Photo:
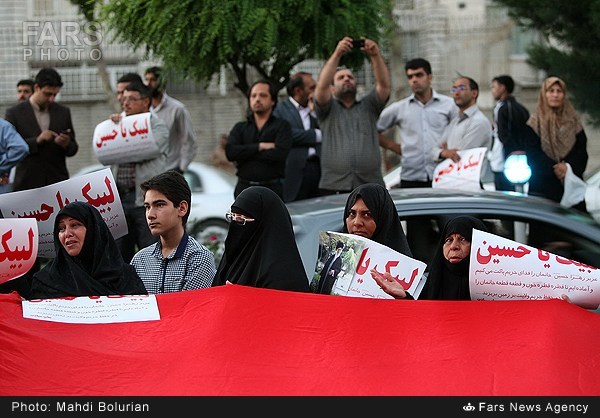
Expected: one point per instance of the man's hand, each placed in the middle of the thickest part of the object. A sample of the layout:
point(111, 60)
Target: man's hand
point(115, 117)
point(4, 179)
point(46, 136)
point(263, 146)
point(63, 139)
point(450, 153)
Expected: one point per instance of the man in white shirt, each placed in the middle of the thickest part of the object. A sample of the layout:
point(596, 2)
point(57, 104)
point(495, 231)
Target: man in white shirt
point(471, 129)
point(182, 139)
point(421, 119)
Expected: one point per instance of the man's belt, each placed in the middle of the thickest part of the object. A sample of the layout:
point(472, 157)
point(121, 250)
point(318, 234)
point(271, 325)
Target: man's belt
point(261, 183)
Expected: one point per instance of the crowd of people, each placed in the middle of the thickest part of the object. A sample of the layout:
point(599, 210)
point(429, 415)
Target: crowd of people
point(322, 139)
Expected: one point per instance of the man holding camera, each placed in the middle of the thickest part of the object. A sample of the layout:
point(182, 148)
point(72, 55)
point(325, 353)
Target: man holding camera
point(350, 153)
point(47, 128)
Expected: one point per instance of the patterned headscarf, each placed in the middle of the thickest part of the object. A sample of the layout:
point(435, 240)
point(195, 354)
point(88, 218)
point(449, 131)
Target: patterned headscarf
point(557, 128)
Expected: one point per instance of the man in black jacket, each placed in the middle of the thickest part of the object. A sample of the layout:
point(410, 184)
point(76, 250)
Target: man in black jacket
point(510, 118)
point(47, 128)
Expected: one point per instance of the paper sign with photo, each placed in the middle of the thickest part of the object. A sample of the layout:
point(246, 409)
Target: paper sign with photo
point(364, 255)
point(42, 204)
point(331, 274)
point(130, 140)
point(502, 269)
point(463, 175)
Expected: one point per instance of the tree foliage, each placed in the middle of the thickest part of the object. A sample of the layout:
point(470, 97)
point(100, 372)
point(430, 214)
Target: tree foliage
point(195, 38)
point(569, 46)
point(88, 9)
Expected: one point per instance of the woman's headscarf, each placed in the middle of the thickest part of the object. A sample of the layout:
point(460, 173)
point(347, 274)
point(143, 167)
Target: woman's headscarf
point(388, 229)
point(262, 253)
point(557, 128)
point(447, 281)
point(99, 268)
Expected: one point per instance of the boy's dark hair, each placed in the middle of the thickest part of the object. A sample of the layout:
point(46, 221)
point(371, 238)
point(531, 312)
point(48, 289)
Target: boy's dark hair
point(26, 82)
point(507, 81)
point(416, 63)
point(48, 77)
point(141, 88)
point(130, 78)
point(173, 185)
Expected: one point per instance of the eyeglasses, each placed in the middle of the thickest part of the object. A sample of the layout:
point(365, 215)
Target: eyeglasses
point(462, 87)
point(239, 219)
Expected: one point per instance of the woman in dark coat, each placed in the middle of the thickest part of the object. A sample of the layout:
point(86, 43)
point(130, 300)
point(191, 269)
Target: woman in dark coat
point(260, 248)
point(87, 262)
point(555, 137)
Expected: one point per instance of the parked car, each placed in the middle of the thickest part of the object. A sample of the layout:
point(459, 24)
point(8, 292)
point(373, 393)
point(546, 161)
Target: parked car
point(212, 196)
point(534, 221)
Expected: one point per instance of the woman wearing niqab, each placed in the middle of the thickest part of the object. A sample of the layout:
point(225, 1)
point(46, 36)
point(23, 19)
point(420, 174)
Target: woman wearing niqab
point(98, 269)
point(263, 252)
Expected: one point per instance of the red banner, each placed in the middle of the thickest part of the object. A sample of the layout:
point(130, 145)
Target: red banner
point(235, 340)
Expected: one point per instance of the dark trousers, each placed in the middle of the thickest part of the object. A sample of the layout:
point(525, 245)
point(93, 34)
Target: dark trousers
point(502, 183)
point(310, 180)
point(420, 232)
point(276, 186)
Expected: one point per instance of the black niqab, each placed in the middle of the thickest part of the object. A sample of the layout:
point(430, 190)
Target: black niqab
point(262, 253)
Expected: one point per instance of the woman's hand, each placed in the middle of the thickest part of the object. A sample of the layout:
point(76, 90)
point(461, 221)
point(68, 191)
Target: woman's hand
point(388, 284)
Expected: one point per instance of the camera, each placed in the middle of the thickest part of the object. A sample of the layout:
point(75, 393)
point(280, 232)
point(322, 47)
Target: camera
point(358, 43)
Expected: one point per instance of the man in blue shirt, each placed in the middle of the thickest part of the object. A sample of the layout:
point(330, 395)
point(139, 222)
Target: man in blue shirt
point(13, 149)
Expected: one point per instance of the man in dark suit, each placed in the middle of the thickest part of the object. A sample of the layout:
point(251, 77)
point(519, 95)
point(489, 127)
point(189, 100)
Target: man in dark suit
point(331, 269)
point(302, 166)
point(47, 128)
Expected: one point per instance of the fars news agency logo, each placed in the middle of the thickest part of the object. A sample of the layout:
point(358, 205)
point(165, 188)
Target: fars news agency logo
point(61, 41)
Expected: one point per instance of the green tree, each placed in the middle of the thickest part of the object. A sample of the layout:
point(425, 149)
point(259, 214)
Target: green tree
point(88, 9)
point(570, 35)
point(196, 38)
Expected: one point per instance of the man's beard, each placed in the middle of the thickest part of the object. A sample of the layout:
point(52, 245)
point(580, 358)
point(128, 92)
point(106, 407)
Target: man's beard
point(347, 92)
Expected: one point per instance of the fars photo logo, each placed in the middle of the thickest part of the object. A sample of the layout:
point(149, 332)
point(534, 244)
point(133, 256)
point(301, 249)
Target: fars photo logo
point(62, 40)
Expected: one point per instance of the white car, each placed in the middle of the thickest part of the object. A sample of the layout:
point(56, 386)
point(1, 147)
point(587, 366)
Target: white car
point(212, 196)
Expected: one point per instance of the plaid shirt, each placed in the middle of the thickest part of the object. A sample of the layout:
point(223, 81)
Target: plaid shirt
point(190, 266)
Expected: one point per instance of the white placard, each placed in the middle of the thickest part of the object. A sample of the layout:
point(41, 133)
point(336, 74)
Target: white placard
point(502, 269)
point(93, 309)
point(130, 140)
point(42, 204)
point(463, 175)
point(19, 247)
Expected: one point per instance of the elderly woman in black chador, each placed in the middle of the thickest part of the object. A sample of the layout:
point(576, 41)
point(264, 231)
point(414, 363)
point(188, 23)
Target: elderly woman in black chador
point(87, 262)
